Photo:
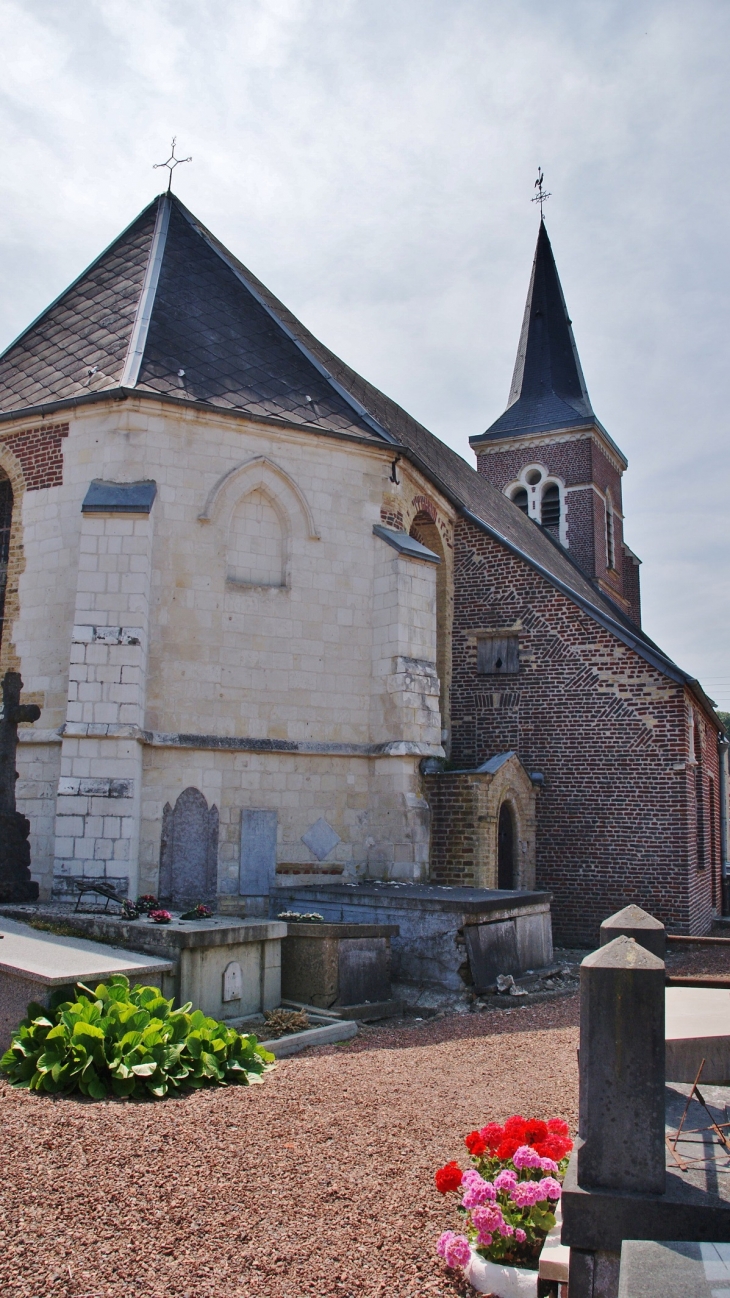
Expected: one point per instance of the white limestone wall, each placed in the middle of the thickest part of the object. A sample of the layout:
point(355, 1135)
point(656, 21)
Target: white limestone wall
point(405, 686)
point(374, 805)
point(338, 655)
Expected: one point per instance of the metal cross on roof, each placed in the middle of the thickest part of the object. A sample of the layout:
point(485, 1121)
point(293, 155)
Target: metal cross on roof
point(171, 164)
point(542, 195)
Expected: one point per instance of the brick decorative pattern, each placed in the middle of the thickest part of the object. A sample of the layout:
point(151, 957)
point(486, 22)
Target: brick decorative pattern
point(39, 452)
point(616, 820)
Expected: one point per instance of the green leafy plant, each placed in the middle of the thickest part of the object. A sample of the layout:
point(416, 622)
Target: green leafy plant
point(128, 1042)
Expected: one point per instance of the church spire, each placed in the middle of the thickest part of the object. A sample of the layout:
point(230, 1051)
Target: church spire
point(548, 389)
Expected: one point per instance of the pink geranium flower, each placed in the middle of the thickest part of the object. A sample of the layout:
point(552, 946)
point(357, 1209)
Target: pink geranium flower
point(527, 1193)
point(454, 1249)
point(549, 1188)
point(488, 1218)
point(526, 1156)
point(477, 1190)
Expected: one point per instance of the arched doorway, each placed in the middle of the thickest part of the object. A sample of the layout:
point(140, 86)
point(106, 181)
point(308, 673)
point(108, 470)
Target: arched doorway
point(424, 529)
point(506, 847)
point(6, 520)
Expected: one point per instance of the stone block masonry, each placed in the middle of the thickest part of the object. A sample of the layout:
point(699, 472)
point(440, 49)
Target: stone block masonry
point(612, 736)
point(99, 792)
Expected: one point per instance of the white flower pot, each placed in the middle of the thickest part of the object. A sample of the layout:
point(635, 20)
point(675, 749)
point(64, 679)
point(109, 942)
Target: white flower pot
point(502, 1281)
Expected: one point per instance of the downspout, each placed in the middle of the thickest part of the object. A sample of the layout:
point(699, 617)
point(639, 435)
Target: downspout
point(722, 744)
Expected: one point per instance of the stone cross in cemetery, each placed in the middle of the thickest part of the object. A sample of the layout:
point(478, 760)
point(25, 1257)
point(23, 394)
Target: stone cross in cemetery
point(15, 881)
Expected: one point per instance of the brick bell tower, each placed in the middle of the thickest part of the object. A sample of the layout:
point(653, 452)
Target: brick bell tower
point(550, 454)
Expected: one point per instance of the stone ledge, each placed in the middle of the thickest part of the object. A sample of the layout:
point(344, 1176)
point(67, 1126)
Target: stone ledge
point(291, 1045)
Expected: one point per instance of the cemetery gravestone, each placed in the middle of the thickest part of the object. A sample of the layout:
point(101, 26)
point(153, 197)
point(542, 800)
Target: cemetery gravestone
point(16, 884)
point(189, 851)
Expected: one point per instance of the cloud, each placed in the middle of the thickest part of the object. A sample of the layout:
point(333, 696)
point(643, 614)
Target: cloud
point(373, 162)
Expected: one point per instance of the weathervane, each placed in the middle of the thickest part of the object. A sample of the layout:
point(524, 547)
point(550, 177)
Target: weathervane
point(541, 196)
point(171, 164)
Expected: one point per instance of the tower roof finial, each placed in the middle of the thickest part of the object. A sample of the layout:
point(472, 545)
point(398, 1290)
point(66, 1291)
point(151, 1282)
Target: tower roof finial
point(542, 195)
point(171, 164)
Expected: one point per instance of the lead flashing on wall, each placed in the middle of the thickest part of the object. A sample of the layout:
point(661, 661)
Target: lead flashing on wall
point(405, 544)
point(119, 497)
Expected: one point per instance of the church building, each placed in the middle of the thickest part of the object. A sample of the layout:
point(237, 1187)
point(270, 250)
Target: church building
point(280, 633)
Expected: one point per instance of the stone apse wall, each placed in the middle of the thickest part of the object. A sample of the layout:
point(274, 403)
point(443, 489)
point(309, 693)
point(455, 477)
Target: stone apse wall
point(617, 818)
point(168, 652)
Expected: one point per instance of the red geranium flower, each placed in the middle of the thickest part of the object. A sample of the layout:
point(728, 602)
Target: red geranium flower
point(558, 1127)
point(507, 1148)
point(535, 1131)
point(492, 1135)
point(515, 1128)
point(554, 1147)
point(448, 1178)
point(476, 1144)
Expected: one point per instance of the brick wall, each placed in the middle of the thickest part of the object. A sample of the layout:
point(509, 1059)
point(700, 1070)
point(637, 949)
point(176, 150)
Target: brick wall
point(455, 841)
point(616, 818)
point(40, 453)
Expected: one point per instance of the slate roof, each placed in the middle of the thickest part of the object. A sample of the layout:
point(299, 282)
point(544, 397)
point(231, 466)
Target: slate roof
point(548, 388)
point(167, 297)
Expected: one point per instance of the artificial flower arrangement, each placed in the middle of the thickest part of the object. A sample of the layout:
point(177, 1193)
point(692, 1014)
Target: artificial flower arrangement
point(509, 1194)
point(201, 911)
point(160, 916)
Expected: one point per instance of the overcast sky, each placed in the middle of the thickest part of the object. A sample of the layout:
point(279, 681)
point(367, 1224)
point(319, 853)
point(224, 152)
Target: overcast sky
point(373, 162)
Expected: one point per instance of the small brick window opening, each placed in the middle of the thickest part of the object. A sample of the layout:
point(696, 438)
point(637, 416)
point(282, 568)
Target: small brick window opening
point(6, 518)
point(498, 655)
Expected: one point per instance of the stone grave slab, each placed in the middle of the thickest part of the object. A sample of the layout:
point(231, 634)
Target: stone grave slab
point(430, 948)
point(674, 1269)
point(200, 952)
point(34, 964)
point(697, 1028)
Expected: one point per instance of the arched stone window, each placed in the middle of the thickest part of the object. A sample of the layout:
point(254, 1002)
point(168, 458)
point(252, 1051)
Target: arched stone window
point(256, 551)
point(519, 498)
point(425, 530)
point(506, 844)
point(6, 518)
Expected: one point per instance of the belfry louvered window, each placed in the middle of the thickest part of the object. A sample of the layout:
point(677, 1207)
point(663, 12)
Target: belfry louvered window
point(520, 499)
point(550, 506)
point(6, 517)
point(610, 535)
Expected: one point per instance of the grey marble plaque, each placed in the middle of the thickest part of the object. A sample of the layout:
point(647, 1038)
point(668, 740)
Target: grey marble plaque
point(257, 872)
point(321, 838)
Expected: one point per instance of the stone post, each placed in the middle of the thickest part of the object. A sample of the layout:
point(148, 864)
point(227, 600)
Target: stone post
point(621, 1123)
point(634, 922)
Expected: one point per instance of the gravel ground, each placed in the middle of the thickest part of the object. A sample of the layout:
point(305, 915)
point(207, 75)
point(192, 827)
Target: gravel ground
point(318, 1182)
point(699, 959)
